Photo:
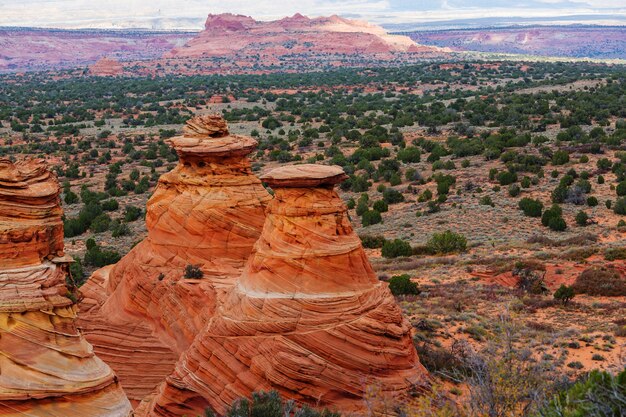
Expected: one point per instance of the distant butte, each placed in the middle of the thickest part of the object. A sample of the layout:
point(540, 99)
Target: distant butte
point(228, 34)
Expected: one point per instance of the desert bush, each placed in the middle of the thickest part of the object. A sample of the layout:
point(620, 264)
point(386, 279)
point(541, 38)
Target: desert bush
point(560, 157)
point(95, 256)
point(530, 207)
point(380, 206)
point(564, 294)
point(514, 190)
point(446, 242)
point(193, 272)
point(506, 177)
point(392, 196)
point(619, 207)
point(372, 241)
point(599, 394)
point(395, 248)
point(582, 218)
point(529, 280)
point(606, 282)
point(613, 254)
point(270, 404)
point(132, 213)
point(402, 285)
point(371, 217)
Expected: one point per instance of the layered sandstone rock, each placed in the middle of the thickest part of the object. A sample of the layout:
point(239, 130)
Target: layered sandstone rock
point(46, 366)
point(228, 35)
point(143, 313)
point(106, 67)
point(308, 317)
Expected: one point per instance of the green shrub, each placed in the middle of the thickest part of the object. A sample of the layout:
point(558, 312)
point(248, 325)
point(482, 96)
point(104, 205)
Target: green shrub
point(557, 224)
point(372, 241)
point(613, 254)
point(582, 218)
point(110, 205)
point(620, 206)
point(446, 242)
point(402, 285)
point(371, 217)
point(553, 212)
point(409, 154)
point(381, 206)
point(506, 177)
point(560, 157)
point(514, 190)
point(592, 201)
point(70, 197)
point(193, 272)
point(530, 207)
point(597, 394)
point(132, 213)
point(395, 248)
point(269, 404)
point(486, 201)
point(392, 196)
point(564, 294)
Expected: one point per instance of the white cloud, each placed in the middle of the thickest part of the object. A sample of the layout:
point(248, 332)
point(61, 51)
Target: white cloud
point(191, 13)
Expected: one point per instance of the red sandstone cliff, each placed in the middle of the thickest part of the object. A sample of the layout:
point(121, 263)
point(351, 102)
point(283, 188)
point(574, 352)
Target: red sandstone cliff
point(46, 366)
point(143, 313)
point(106, 67)
point(229, 35)
point(307, 317)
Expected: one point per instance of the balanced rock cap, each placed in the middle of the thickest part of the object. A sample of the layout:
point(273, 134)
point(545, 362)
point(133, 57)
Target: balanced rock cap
point(304, 176)
point(208, 135)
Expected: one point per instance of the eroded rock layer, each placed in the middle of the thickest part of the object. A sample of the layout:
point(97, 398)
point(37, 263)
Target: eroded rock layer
point(145, 311)
point(308, 316)
point(46, 367)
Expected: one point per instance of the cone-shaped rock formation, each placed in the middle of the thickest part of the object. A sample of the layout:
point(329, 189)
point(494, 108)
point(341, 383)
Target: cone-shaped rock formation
point(47, 369)
point(142, 313)
point(308, 316)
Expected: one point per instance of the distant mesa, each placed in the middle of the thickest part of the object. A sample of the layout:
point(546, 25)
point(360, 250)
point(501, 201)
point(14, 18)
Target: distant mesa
point(106, 67)
point(229, 35)
point(307, 317)
point(47, 367)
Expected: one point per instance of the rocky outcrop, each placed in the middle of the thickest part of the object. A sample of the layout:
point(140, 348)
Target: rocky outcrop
point(145, 311)
point(46, 366)
point(308, 317)
point(106, 67)
point(237, 35)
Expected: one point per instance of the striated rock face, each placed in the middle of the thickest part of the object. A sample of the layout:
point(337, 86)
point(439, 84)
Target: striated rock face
point(143, 313)
point(230, 35)
point(308, 317)
point(106, 67)
point(46, 366)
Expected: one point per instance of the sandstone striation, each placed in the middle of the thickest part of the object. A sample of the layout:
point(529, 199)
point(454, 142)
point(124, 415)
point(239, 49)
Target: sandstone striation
point(308, 317)
point(145, 311)
point(46, 366)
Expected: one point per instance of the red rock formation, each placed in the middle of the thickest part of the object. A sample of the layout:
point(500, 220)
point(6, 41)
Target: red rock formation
point(106, 67)
point(46, 366)
point(229, 35)
point(142, 313)
point(308, 317)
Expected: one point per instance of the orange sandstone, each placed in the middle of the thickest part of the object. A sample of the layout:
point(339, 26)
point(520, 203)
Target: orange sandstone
point(143, 313)
point(46, 366)
point(308, 317)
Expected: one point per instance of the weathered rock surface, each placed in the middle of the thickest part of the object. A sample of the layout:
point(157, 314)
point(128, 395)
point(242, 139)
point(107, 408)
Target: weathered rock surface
point(106, 67)
point(143, 313)
point(308, 317)
point(46, 367)
point(230, 35)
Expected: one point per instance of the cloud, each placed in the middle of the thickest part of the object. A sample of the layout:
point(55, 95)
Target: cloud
point(190, 14)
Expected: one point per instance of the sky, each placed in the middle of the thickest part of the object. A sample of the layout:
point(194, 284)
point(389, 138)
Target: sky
point(190, 14)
